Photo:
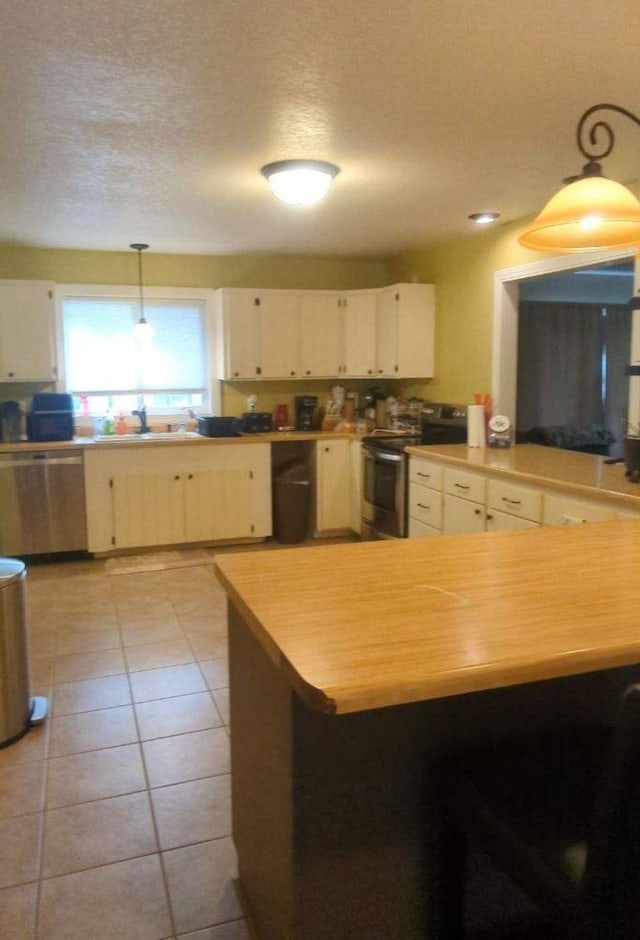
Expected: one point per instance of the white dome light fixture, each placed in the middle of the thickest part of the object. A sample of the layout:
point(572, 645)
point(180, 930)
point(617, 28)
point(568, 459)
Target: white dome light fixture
point(300, 182)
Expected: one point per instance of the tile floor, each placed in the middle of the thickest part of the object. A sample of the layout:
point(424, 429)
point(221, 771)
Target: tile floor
point(115, 813)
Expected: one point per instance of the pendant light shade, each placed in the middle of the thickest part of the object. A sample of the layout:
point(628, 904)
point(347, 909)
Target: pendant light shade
point(300, 182)
point(591, 211)
point(142, 330)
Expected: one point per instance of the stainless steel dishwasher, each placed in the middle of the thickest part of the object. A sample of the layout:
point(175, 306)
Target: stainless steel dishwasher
point(42, 506)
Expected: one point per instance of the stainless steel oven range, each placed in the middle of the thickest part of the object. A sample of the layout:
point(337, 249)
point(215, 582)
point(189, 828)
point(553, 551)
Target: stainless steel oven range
point(385, 467)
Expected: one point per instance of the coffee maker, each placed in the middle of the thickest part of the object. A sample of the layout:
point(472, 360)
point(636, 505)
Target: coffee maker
point(305, 407)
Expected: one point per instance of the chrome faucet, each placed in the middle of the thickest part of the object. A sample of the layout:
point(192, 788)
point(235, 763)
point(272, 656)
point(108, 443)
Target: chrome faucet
point(141, 412)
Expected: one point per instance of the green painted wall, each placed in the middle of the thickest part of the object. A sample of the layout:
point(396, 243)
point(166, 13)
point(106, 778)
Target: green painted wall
point(462, 271)
point(115, 267)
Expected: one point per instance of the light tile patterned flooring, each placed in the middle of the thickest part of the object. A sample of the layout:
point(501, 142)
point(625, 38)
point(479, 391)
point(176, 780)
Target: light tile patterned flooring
point(115, 813)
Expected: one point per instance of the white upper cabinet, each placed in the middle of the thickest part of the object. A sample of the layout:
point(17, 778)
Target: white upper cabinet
point(27, 331)
point(405, 331)
point(321, 334)
point(280, 334)
point(272, 334)
point(238, 334)
point(360, 334)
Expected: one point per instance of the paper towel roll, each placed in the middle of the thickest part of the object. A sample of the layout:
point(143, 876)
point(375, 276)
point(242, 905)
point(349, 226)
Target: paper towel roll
point(476, 433)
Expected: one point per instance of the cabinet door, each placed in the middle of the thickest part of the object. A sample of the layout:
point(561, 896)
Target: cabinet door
point(359, 335)
point(387, 334)
point(217, 504)
point(321, 334)
point(148, 509)
point(462, 516)
point(26, 332)
point(333, 477)
point(406, 331)
point(497, 521)
point(280, 335)
point(425, 505)
point(563, 510)
point(239, 334)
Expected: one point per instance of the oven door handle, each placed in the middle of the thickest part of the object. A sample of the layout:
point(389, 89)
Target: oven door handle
point(381, 456)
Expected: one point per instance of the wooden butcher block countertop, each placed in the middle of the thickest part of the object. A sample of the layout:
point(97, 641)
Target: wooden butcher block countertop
point(374, 624)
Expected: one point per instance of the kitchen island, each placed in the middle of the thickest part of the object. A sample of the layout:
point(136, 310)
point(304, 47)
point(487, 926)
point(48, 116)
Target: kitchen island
point(352, 666)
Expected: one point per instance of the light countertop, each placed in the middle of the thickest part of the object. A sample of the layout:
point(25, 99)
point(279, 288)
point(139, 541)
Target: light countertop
point(568, 471)
point(374, 624)
point(273, 437)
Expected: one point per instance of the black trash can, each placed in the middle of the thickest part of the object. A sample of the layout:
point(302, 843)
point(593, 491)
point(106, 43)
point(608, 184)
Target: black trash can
point(291, 502)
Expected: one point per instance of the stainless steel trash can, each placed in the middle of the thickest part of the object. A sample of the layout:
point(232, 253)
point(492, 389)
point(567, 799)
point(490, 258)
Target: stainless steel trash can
point(18, 711)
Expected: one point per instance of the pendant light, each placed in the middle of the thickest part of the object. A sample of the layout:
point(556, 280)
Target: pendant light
point(300, 182)
point(142, 330)
point(591, 211)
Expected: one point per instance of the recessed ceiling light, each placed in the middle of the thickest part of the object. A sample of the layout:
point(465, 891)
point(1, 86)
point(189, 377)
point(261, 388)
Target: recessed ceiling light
point(484, 218)
point(300, 182)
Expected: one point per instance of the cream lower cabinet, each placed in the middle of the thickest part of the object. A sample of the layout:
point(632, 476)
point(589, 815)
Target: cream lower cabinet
point(425, 502)
point(334, 486)
point(173, 495)
point(512, 506)
point(464, 501)
point(565, 510)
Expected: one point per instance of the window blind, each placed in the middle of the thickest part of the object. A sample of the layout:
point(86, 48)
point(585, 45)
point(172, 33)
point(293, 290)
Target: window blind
point(102, 354)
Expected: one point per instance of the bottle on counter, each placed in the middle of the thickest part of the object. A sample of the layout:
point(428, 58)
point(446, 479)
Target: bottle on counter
point(121, 424)
point(108, 424)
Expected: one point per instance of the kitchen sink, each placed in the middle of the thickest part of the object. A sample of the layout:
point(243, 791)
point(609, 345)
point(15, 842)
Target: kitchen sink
point(149, 436)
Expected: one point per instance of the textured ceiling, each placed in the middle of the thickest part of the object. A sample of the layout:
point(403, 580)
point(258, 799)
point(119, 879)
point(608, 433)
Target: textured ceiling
point(150, 121)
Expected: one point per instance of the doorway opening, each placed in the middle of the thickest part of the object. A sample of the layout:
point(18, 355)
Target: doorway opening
point(562, 337)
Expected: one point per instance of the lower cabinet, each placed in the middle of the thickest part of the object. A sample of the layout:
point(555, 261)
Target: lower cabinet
point(173, 495)
point(565, 510)
point(464, 502)
point(334, 486)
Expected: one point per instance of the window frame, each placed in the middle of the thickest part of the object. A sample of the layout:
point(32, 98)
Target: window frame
point(212, 392)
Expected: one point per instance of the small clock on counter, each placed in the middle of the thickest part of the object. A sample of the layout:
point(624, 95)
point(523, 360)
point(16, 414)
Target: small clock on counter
point(500, 431)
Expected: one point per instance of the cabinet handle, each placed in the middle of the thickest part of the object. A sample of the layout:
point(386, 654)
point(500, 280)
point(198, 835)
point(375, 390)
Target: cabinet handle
point(462, 486)
point(236, 373)
point(489, 516)
point(369, 371)
point(258, 370)
point(190, 476)
point(292, 373)
point(177, 476)
point(427, 476)
point(10, 374)
point(428, 508)
point(510, 502)
point(308, 372)
point(478, 511)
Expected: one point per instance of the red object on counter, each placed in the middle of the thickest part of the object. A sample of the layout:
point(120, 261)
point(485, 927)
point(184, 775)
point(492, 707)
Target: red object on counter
point(281, 417)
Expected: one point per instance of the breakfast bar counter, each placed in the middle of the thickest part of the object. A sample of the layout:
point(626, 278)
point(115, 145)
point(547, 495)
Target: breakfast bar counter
point(352, 666)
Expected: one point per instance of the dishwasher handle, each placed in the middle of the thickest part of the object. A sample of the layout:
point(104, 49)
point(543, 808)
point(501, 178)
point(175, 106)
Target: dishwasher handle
point(40, 460)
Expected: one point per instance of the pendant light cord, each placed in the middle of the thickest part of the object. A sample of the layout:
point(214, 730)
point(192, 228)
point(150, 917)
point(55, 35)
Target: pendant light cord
point(140, 248)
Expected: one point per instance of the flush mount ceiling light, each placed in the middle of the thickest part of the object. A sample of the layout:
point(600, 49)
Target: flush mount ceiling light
point(484, 218)
point(300, 182)
point(142, 330)
point(591, 211)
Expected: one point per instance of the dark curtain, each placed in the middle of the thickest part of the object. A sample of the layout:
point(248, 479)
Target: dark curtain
point(617, 383)
point(562, 348)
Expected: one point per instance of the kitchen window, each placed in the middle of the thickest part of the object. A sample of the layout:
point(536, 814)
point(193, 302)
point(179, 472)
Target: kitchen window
point(107, 368)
